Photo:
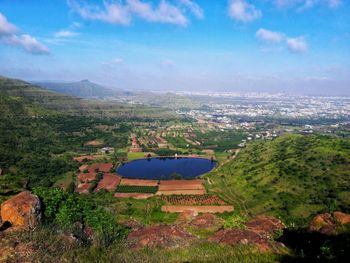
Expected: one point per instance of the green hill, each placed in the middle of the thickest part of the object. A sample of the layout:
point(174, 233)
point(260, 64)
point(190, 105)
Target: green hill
point(82, 89)
point(293, 177)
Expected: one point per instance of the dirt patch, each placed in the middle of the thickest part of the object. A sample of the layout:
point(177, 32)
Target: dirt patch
point(83, 167)
point(100, 167)
point(108, 182)
point(182, 192)
point(159, 236)
point(88, 177)
point(328, 224)
point(133, 195)
point(84, 158)
point(198, 209)
point(181, 182)
point(205, 221)
point(138, 182)
point(181, 187)
point(83, 188)
point(93, 143)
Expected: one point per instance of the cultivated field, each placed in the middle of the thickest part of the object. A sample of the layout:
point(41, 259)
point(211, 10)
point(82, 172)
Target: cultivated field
point(198, 209)
point(140, 182)
point(109, 182)
point(193, 200)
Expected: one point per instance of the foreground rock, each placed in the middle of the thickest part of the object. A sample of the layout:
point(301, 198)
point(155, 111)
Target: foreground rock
point(246, 237)
point(267, 225)
point(159, 236)
point(22, 210)
point(329, 224)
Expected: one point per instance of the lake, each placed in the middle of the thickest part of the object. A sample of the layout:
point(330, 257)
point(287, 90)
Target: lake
point(166, 167)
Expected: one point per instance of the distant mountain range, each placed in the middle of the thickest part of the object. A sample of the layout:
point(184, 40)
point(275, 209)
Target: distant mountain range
point(82, 89)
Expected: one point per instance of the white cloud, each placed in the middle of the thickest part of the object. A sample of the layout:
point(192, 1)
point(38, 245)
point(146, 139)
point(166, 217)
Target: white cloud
point(28, 43)
point(123, 11)
point(307, 4)
point(242, 11)
point(113, 13)
point(193, 7)
point(297, 45)
point(269, 36)
point(6, 27)
point(66, 34)
point(164, 13)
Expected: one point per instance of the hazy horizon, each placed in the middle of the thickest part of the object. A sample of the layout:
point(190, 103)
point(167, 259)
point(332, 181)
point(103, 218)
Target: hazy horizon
point(290, 46)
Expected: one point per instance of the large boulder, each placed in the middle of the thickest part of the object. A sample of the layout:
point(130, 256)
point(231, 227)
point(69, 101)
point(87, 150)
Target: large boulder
point(159, 236)
point(23, 210)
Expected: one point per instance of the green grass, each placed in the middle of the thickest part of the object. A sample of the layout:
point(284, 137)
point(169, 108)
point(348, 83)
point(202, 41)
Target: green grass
point(136, 189)
point(292, 177)
point(135, 156)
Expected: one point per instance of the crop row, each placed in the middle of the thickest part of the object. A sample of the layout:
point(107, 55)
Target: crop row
point(205, 199)
point(136, 189)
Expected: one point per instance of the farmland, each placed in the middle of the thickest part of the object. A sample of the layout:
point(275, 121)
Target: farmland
point(193, 200)
point(136, 189)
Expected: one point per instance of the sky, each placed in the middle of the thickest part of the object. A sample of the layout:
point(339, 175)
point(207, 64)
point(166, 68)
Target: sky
point(292, 46)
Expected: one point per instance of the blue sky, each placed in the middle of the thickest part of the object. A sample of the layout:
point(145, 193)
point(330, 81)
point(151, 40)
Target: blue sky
point(297, 46)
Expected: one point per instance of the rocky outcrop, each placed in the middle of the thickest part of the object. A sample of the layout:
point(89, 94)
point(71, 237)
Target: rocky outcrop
point(23, 210)
point(245, 237)
point(267, 225)
point(159, 236)
point(329, 224)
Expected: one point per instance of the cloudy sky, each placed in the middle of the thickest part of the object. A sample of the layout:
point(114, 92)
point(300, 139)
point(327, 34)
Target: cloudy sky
point(296, 46)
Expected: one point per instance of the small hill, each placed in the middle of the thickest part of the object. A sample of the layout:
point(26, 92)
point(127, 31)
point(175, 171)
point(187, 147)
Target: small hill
point(82, 89)
point(293, 177)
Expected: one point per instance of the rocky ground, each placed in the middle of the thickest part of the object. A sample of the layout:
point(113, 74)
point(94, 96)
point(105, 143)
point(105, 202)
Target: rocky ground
point(23, 213)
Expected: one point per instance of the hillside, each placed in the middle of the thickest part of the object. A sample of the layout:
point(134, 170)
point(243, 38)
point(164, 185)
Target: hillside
point(293, 177)
point(76, 106)
point(82, 89)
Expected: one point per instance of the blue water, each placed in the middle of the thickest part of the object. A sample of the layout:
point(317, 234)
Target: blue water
point(165, 167)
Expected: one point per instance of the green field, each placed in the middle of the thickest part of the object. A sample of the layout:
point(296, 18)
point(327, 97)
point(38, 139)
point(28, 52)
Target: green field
point(136, 189)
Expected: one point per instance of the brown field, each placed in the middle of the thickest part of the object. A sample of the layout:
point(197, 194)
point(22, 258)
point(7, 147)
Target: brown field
point(198, 209)
point(170, 187)
point(84, 178)
point(83, 158)
point(83, 188)
point(83, 167)
point(193, 200)
point(182, 192)
point(101, 167)
point(181, 182)
point(108, 182)
point(133, 195)
point(93, 143)
point(138, 182)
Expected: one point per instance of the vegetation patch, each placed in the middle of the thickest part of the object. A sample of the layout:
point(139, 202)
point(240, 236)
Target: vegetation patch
point(136, 189)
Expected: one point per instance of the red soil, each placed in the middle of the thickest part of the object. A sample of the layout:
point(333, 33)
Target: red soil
point(193, 200)
point(133, 195)
point(182, 192)
point(83, 158)
point(83, 188)
point(139, 182)
point(93, 143)
point(83, 167)
point(198, 209)
point(180, 187)
point(108, 182)
point(101, 167)
point(181, 182)
point(88, 177)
